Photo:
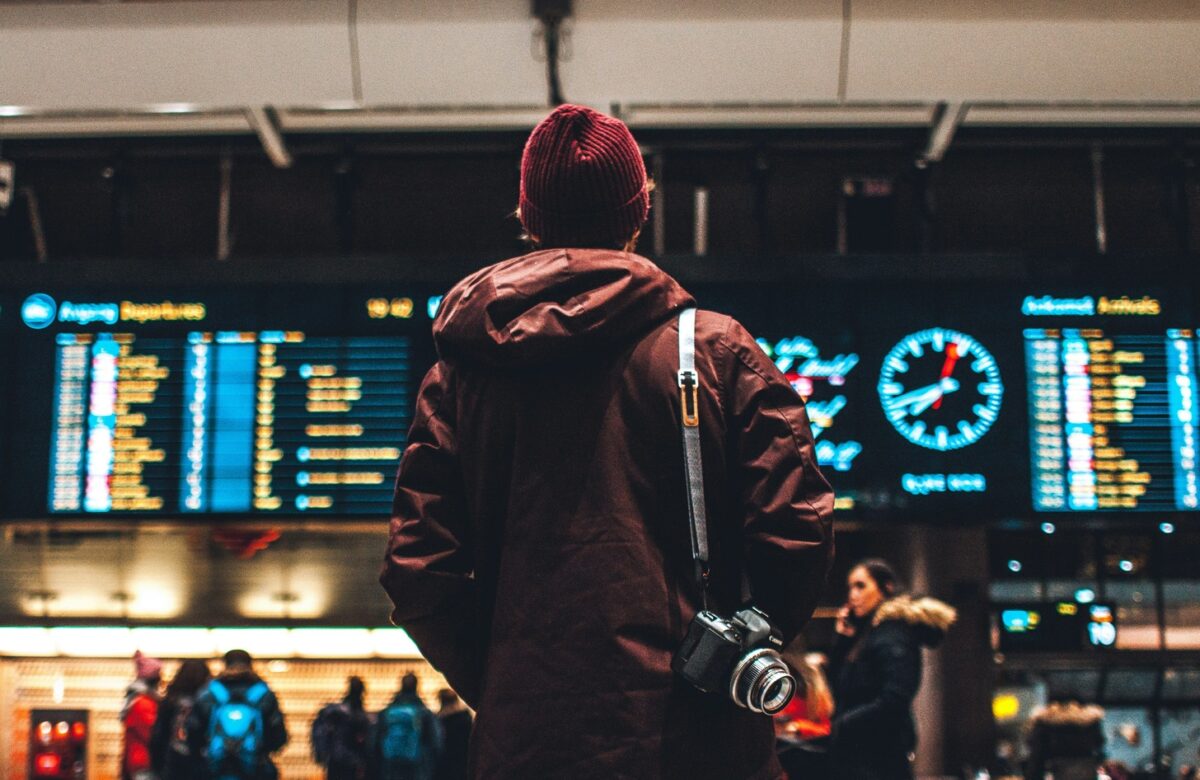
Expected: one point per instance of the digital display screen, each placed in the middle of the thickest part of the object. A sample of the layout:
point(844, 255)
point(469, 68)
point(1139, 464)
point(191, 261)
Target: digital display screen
point(173, 409)
point(1064, 626)
point(1111, 419)
point(267, 421)
point(951, 404)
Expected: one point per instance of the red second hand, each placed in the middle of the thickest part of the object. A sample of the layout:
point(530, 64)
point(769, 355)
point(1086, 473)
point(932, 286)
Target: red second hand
point(947, 368)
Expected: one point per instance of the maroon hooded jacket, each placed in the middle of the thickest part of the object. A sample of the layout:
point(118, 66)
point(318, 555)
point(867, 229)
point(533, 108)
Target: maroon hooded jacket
point(540, 551)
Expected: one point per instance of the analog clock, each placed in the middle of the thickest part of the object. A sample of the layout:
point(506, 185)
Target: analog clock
point(940, 389)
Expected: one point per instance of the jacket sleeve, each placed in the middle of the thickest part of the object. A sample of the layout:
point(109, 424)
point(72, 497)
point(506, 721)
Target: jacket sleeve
point(896, 659)
point(428, 571)
point(786, 503)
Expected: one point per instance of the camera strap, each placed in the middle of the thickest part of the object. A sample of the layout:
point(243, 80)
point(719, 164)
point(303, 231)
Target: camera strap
point(693, 465)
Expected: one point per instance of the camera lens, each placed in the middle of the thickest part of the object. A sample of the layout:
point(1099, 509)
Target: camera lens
point(761, 682)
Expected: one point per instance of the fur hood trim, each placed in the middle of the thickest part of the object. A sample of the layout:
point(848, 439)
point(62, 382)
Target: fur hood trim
point(1069, 714)
point(924, 611)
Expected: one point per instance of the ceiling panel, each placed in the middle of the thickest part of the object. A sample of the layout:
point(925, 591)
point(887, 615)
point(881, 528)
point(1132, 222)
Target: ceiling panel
point(124, 55)
point(1024, 51)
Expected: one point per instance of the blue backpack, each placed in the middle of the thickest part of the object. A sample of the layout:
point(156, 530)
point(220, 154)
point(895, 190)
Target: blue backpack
point(235, 731)
point(401, 727)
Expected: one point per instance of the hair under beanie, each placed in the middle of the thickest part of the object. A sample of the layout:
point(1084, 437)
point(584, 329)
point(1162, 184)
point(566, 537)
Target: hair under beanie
point(583, 182)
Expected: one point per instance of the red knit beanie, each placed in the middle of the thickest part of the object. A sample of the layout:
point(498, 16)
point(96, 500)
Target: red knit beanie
point(583, 182)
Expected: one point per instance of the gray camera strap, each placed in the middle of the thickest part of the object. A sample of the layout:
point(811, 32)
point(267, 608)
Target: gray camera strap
point(693, 465)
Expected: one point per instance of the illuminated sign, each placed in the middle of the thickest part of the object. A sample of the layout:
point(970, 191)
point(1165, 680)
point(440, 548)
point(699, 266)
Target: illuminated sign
point(925, 484)
point(1088, 306)
point(1064, 626)
point(813, 377)
point(1046, 306)
point(40, 311)
point(397, 308)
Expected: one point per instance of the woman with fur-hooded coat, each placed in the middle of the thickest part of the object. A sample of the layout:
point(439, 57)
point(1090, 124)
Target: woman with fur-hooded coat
point(876, 672)
point(1066, 740)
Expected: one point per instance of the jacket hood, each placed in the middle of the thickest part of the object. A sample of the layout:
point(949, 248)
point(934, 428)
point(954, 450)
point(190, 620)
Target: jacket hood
point(931, 617)
point(552, 303)
point(1069, 714)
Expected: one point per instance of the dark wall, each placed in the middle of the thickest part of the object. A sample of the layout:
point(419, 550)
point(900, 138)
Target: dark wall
point(770, 194)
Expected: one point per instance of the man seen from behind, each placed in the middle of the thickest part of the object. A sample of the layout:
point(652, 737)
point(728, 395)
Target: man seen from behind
point(541, 554)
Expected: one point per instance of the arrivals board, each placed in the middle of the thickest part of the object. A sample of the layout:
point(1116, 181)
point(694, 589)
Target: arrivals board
point(948, 402)
point(1111, 420)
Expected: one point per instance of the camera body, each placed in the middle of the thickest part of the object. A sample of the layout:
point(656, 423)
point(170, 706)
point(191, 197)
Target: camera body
point(738, 656)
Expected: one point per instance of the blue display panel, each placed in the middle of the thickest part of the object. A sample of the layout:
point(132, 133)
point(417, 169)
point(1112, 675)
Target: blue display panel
point(1110, 420)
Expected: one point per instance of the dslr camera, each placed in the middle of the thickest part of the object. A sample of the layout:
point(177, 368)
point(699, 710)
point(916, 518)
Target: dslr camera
point(738, 656)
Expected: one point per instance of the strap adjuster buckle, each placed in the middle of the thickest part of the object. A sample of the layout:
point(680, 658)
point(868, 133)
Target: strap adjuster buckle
point(689, 399)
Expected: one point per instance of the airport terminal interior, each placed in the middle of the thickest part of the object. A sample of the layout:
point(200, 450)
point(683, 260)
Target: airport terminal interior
point(226, 229)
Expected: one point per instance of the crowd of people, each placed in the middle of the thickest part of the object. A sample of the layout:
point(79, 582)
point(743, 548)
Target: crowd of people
point(227, 728)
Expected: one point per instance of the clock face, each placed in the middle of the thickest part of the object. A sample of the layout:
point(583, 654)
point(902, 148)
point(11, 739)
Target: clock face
point(940, 389)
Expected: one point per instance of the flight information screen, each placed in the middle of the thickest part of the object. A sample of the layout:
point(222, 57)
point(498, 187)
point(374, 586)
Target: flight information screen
point(152, 412)
point(943, 403)
point(1112, 419)
point(236, 421)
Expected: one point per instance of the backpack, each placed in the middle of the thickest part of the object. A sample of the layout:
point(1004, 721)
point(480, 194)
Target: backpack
point(338, 737)
point(401, 727)
point(235, 731)
point(183, 710)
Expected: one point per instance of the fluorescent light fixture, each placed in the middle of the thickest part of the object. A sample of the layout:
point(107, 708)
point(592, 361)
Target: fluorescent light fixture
point(332, 642)
point(93, 642)
point(267, 642)
point(176, 642)
point(201, 642)
point(27, 641)
point(14, 111)
point(173, 108)
point(393, 643)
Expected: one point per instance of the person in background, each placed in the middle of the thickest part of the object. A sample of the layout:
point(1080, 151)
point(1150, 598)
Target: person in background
point(876, 669)
point(408, 737)
point(540, 551)
point(456, 721)
point(340, 735)
point(170, 754)
point(802, 729)
point(138, 716)
point(1066, 740)
point(236, 723)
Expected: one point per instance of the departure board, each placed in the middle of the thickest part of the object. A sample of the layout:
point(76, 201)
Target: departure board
point(288, 402)
point(1111, 419)
point(269, 421)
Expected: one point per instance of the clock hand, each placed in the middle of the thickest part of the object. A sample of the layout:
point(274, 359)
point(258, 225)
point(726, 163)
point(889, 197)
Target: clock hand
point(947, 385)
point(928, 393)
point(948, 367)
